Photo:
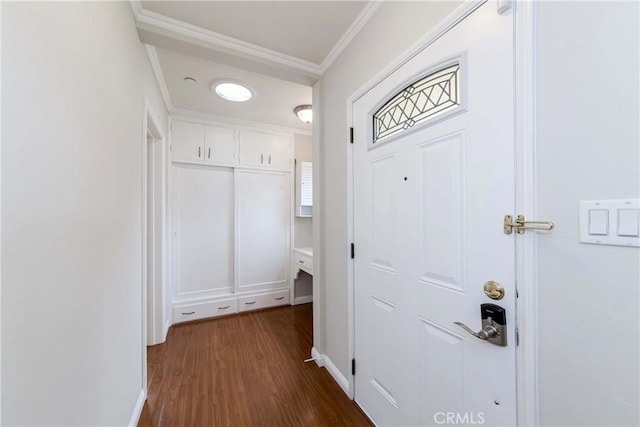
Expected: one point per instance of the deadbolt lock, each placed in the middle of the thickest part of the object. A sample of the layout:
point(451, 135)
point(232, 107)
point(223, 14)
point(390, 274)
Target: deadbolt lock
point(493, 290)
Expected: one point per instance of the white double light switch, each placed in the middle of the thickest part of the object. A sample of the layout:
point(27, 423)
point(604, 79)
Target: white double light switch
point(610, 222)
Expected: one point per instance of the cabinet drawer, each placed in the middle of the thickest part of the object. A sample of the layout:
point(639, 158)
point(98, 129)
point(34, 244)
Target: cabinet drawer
point(187, 312)
point(303, 262)
point(255, 302)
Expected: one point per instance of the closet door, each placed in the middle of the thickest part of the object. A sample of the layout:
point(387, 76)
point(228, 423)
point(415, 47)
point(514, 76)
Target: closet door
point(264, 206)
point(203, 231)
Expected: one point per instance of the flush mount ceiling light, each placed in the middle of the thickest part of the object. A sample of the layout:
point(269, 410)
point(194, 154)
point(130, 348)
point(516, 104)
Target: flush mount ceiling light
point(231, 91)
point(304, 113)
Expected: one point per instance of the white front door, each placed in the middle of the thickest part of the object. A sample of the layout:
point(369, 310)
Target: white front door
point(433, 179)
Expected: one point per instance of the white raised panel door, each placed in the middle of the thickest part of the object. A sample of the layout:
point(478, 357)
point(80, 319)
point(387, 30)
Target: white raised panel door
point(428, 210)
point(203, 230)
point(187, 142)
point(219, 145)
point(263, 204)
point(265, 149)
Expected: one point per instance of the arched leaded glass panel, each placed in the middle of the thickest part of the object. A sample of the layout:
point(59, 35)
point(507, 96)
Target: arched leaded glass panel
point(429, 96)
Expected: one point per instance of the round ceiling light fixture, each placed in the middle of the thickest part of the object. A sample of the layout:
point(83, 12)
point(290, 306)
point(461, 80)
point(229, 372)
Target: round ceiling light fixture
point(232, 91)
point(304, 113)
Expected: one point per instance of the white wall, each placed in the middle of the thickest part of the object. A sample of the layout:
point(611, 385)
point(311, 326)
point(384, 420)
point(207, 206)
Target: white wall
point(587, 149)
point(393, 29)
point(74, 78)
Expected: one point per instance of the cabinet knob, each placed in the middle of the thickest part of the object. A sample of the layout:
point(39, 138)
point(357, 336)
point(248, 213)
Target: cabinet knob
point(250, 302)
point(209, 153)
point(224, 308)
point(279, 298)
point(189, 313)
point(199, 151)
point(269, 158)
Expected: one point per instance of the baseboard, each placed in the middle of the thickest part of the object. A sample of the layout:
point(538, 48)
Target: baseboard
point(167, 325)
point(323, 360)
point(305, 299)
point(137, 410)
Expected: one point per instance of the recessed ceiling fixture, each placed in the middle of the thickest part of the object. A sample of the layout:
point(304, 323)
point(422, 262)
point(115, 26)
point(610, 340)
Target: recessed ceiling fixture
point(231, 91)
point(304, 113)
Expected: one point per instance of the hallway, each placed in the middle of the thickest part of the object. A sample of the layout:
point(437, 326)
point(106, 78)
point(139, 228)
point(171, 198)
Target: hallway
point(244, 370)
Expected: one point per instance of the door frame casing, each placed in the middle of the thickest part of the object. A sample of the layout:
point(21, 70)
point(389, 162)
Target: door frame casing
point(151, 125)
point(525, 203)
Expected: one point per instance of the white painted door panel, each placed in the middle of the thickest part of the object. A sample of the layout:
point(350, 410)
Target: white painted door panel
point(187, 141)
point(428, 209)
point(265, 149)
point(220, 145)
point(263, 204)
point(203, 230)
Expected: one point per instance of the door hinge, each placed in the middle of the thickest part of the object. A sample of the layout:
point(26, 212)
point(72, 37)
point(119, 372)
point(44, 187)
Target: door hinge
point(517, 337)
point(351, 135)
point(353, 251)
point(353, 366)
point(521, 225)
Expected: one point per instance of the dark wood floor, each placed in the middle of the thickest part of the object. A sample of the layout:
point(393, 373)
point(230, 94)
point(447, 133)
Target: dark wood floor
point(244, 370)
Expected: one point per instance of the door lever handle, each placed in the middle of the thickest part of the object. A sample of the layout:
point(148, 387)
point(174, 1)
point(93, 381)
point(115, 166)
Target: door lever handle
point(484, 334)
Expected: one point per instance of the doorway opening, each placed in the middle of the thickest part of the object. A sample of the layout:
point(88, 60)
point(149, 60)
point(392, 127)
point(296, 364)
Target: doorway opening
point(155, 319)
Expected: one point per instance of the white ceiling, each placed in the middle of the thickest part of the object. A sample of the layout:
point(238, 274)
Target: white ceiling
point(278, 48)
point(273, 101)
point(303, 29)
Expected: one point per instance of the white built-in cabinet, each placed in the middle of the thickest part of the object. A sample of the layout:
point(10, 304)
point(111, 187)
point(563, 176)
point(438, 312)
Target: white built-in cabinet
point(199, 143)
point(264, 150)
point(231, 215)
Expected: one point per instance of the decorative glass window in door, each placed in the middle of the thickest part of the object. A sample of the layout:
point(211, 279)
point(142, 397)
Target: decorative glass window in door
point(430, 96)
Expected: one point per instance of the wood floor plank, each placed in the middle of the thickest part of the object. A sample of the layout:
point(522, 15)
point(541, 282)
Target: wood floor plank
point(244, 370)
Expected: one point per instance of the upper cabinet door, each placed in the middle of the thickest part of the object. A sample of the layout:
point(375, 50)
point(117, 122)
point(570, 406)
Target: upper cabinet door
point(264, 149)
point(219, 145)
point(187, 142)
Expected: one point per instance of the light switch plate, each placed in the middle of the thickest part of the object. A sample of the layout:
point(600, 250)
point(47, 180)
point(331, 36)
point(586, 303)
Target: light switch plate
point(610, 222)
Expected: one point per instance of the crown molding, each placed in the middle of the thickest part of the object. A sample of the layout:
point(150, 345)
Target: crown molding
point(356, 26)
point(174, 28)
point(157, 71)
point(136, 8)
point(157, 23)
point(181, 113)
